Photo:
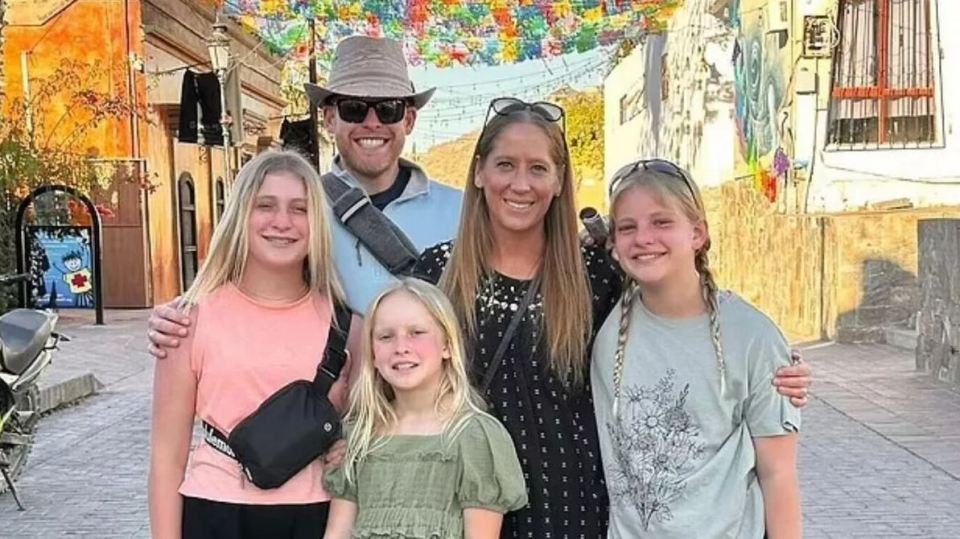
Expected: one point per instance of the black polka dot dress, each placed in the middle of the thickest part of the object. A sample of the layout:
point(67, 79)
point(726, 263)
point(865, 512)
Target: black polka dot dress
point(553, 427)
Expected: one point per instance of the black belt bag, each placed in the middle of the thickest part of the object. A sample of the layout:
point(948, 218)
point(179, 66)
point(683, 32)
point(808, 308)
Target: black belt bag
point(295, 425)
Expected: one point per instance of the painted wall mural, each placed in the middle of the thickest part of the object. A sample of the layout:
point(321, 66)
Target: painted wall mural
point(60, 263)
point(761, 65)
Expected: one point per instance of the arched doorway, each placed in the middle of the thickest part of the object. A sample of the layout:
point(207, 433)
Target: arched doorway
point(187, 210)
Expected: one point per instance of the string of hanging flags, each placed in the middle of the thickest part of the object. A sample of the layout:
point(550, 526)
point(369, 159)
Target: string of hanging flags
point(454, 32)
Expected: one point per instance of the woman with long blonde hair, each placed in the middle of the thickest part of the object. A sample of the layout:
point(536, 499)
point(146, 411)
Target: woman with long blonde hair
point(531, 299)
point(261, 307)
point(423, 459)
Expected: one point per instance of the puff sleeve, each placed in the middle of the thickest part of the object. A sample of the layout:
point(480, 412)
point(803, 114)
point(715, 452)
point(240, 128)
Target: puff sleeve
point(490, 477)
point(335, 480)
point(336, 484)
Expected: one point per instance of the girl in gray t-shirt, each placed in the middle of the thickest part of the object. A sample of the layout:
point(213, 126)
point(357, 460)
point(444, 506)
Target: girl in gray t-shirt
point(695, 439)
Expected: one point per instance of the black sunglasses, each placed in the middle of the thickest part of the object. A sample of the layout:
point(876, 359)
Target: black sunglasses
point(389, 111)
point(657, 165)
point(504, 106)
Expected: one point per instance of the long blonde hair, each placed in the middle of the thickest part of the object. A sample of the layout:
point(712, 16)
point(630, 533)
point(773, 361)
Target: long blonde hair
point(371, 410)
point(567, 307)
point(686, 194)
point(229, 246)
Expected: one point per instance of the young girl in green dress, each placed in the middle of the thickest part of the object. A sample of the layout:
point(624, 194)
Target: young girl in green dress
point(423, 459)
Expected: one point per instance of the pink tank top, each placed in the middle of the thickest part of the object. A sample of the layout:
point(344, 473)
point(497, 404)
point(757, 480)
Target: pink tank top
point(243, 352)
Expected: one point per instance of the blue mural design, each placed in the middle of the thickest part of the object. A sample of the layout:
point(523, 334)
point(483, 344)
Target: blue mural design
point(759, 63)
point(61, 265)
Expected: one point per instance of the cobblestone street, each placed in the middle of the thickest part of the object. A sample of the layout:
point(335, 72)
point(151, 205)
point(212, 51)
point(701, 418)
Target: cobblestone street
point(880, 453)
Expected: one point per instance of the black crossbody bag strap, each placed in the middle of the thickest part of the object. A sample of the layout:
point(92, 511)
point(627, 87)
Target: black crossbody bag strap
point(508, 335)
point(335, 353)
point(381, 236)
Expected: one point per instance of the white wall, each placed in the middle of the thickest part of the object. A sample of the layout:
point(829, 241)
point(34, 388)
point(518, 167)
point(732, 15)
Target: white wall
point(847, 180)
point(622, 142)
point(714, 164)
point(694, 125)
point(163, 89)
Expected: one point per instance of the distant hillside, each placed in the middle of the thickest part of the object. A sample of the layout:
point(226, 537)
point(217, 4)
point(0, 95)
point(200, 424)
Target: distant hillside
point(448, 162)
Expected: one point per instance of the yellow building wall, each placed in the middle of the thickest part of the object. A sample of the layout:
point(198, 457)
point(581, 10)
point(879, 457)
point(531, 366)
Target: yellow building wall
point(839, 276)
point(845, 275)
point(170, 160)
point(164, 247)
point(90, 32)
point(98, 39)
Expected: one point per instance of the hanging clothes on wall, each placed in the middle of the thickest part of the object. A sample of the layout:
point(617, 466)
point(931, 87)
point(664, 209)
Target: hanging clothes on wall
point(200, 109)
point(299, 136)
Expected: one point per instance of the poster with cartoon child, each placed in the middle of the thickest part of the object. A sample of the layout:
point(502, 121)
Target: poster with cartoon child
point(60, 258)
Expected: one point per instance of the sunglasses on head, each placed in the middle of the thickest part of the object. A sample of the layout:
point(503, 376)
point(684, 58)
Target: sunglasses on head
point(354, 110)
point(504, 106)
point(657, 165)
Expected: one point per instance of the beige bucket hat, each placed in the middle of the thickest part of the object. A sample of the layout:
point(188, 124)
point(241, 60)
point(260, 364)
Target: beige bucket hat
point(368, 67)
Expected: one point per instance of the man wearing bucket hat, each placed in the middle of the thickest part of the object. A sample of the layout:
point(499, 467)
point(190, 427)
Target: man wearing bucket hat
point(370, 106)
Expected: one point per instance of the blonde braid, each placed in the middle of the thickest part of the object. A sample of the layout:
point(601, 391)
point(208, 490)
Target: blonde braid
point(702, 263)
point(630, 292)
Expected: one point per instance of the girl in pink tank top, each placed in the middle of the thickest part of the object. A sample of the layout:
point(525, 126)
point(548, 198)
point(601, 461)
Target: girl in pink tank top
point(260, 310)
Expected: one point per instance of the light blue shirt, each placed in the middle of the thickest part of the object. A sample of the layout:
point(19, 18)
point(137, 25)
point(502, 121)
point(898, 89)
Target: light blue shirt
point(428, 212)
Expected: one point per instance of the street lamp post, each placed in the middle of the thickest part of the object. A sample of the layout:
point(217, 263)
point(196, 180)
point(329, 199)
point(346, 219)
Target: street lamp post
point(219, 47)
point(314, 139)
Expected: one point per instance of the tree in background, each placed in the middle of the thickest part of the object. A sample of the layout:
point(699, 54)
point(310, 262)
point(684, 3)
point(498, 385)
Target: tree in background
point(3, 67)
point(584, 111)
point(50, 150)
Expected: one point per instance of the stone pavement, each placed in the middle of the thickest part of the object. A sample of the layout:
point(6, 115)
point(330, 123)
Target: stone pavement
point(86, 476)
point(880, 447)
point(96, 356)
point(879, 451)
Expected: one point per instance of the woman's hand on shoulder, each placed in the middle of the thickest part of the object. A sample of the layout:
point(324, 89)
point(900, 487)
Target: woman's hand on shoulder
point(165, 328)
point(794, 381)
point(432, 261)
point(333, 458)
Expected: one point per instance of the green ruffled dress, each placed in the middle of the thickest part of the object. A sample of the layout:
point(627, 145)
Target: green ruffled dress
point(416, 487)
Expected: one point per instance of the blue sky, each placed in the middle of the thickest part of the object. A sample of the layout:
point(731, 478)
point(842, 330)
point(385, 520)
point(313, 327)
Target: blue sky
point(462, 95)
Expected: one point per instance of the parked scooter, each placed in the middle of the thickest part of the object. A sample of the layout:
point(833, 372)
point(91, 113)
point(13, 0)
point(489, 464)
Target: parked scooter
point(27, 342)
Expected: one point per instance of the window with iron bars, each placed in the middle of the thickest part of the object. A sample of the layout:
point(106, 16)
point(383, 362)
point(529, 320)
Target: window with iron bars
point(883, 91)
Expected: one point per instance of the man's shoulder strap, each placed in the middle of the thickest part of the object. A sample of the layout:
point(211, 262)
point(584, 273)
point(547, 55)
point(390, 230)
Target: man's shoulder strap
point(381, 236)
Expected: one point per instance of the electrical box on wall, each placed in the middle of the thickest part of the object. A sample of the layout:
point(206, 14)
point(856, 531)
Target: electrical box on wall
point(777, 23)
point(777, 16)
point(805, 81)
point(818, 33)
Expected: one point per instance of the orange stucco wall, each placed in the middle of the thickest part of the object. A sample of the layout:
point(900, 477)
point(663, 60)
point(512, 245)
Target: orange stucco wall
point(88, 31)
point(99, 36)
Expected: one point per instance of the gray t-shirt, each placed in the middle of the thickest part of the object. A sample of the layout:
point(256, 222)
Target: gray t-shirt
point(680, 461)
